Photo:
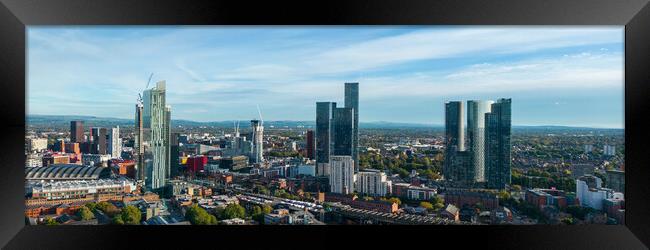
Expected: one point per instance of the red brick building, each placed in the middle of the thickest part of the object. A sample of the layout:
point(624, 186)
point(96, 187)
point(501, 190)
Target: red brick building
point(125, 167)
point(467, 198)
point(546, 197)
point(196, 163)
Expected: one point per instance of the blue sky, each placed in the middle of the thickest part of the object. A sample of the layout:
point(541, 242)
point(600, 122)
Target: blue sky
point(556, 75)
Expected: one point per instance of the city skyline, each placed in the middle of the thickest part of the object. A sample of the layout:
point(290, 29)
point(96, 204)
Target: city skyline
point(546, 75)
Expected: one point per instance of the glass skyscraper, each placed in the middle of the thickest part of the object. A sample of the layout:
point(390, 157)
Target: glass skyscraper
point(454, 137)
point(342, 130)
point(138, 143)
point(155, 123)
point(476, 110)
point(323, 142)
point(257, 134)
point(352, 101)
point(498, 147)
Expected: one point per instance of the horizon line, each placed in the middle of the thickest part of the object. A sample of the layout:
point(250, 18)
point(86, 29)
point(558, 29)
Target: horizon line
point(379, 121)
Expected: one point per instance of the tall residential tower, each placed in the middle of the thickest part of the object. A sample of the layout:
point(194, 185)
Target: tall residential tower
point(352, 101)
point(323, 138)
point(155, 123)
point(476, 110)
point(497, 144)
point(454, 138)
point(256, 138)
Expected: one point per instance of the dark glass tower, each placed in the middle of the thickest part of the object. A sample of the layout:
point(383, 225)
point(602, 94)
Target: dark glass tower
point(497, 144)
point(352, 101)
point(310, 144)
point(99, 140)
point(174, 155)
point(323, 129)
point(76, 131)
point(454, 137)
point(342, 131)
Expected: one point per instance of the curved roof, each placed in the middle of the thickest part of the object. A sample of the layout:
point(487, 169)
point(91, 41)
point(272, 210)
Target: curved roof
point(67, 172)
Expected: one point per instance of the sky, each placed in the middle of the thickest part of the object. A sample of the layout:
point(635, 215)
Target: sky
point(555, 75)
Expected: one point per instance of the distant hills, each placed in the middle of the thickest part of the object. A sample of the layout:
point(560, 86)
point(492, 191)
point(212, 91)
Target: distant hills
point(64, 120)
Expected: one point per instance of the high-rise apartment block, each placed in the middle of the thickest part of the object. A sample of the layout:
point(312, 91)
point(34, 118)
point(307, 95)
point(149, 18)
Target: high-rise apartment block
point(342, 131)
point(498, 146)
point(323, 136)
point(486, 156)
point(257, 136)
point(476, 111)
point(310, 146)
point(155, 132)
point(372, 182)
point(76, 131)
point(337, 129)
point(341, 174)
point(114, 143)
point(454, 137)
point(352, 101)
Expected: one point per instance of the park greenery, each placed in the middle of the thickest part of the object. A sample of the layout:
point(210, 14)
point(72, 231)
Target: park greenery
point(257, 212)
point(426, 164)
point(84, 213)
point(198, 216)
point(231, 211)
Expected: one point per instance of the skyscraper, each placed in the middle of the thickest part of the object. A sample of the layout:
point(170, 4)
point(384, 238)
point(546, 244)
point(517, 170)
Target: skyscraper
point(156, 136)
point(454, 136)
point(138, 143)
point(341, 175)
point(352, 101)
point(167, 133)
point(174, 151)
point(76, 131)
point(342, 131)
point(310, 144)
point(476, 110)
point(114, 143)
point(99, 136)
point(497, 140)
point(323, 136)
point(256, 138)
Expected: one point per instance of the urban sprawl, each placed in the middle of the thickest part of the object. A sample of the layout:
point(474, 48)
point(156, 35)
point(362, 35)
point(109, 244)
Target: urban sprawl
point(478, 169)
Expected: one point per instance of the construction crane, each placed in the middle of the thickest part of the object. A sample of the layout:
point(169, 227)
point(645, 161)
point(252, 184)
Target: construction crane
point(148, 81)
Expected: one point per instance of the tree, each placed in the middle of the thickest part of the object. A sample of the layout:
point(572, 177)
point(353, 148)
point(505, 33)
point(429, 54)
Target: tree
point(108, 208)
point(118, 220)
point(85, 214)
point(516, 187)
point(258, 212)
point(91, 205)
point(233, 211)
point(437, 203)
point(266, 209)
point(426, 205)
point(131, 215)
point(198, 216)
point(50, 221)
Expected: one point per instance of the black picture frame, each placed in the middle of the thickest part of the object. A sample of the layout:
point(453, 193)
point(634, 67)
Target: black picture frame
point(15, 15)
